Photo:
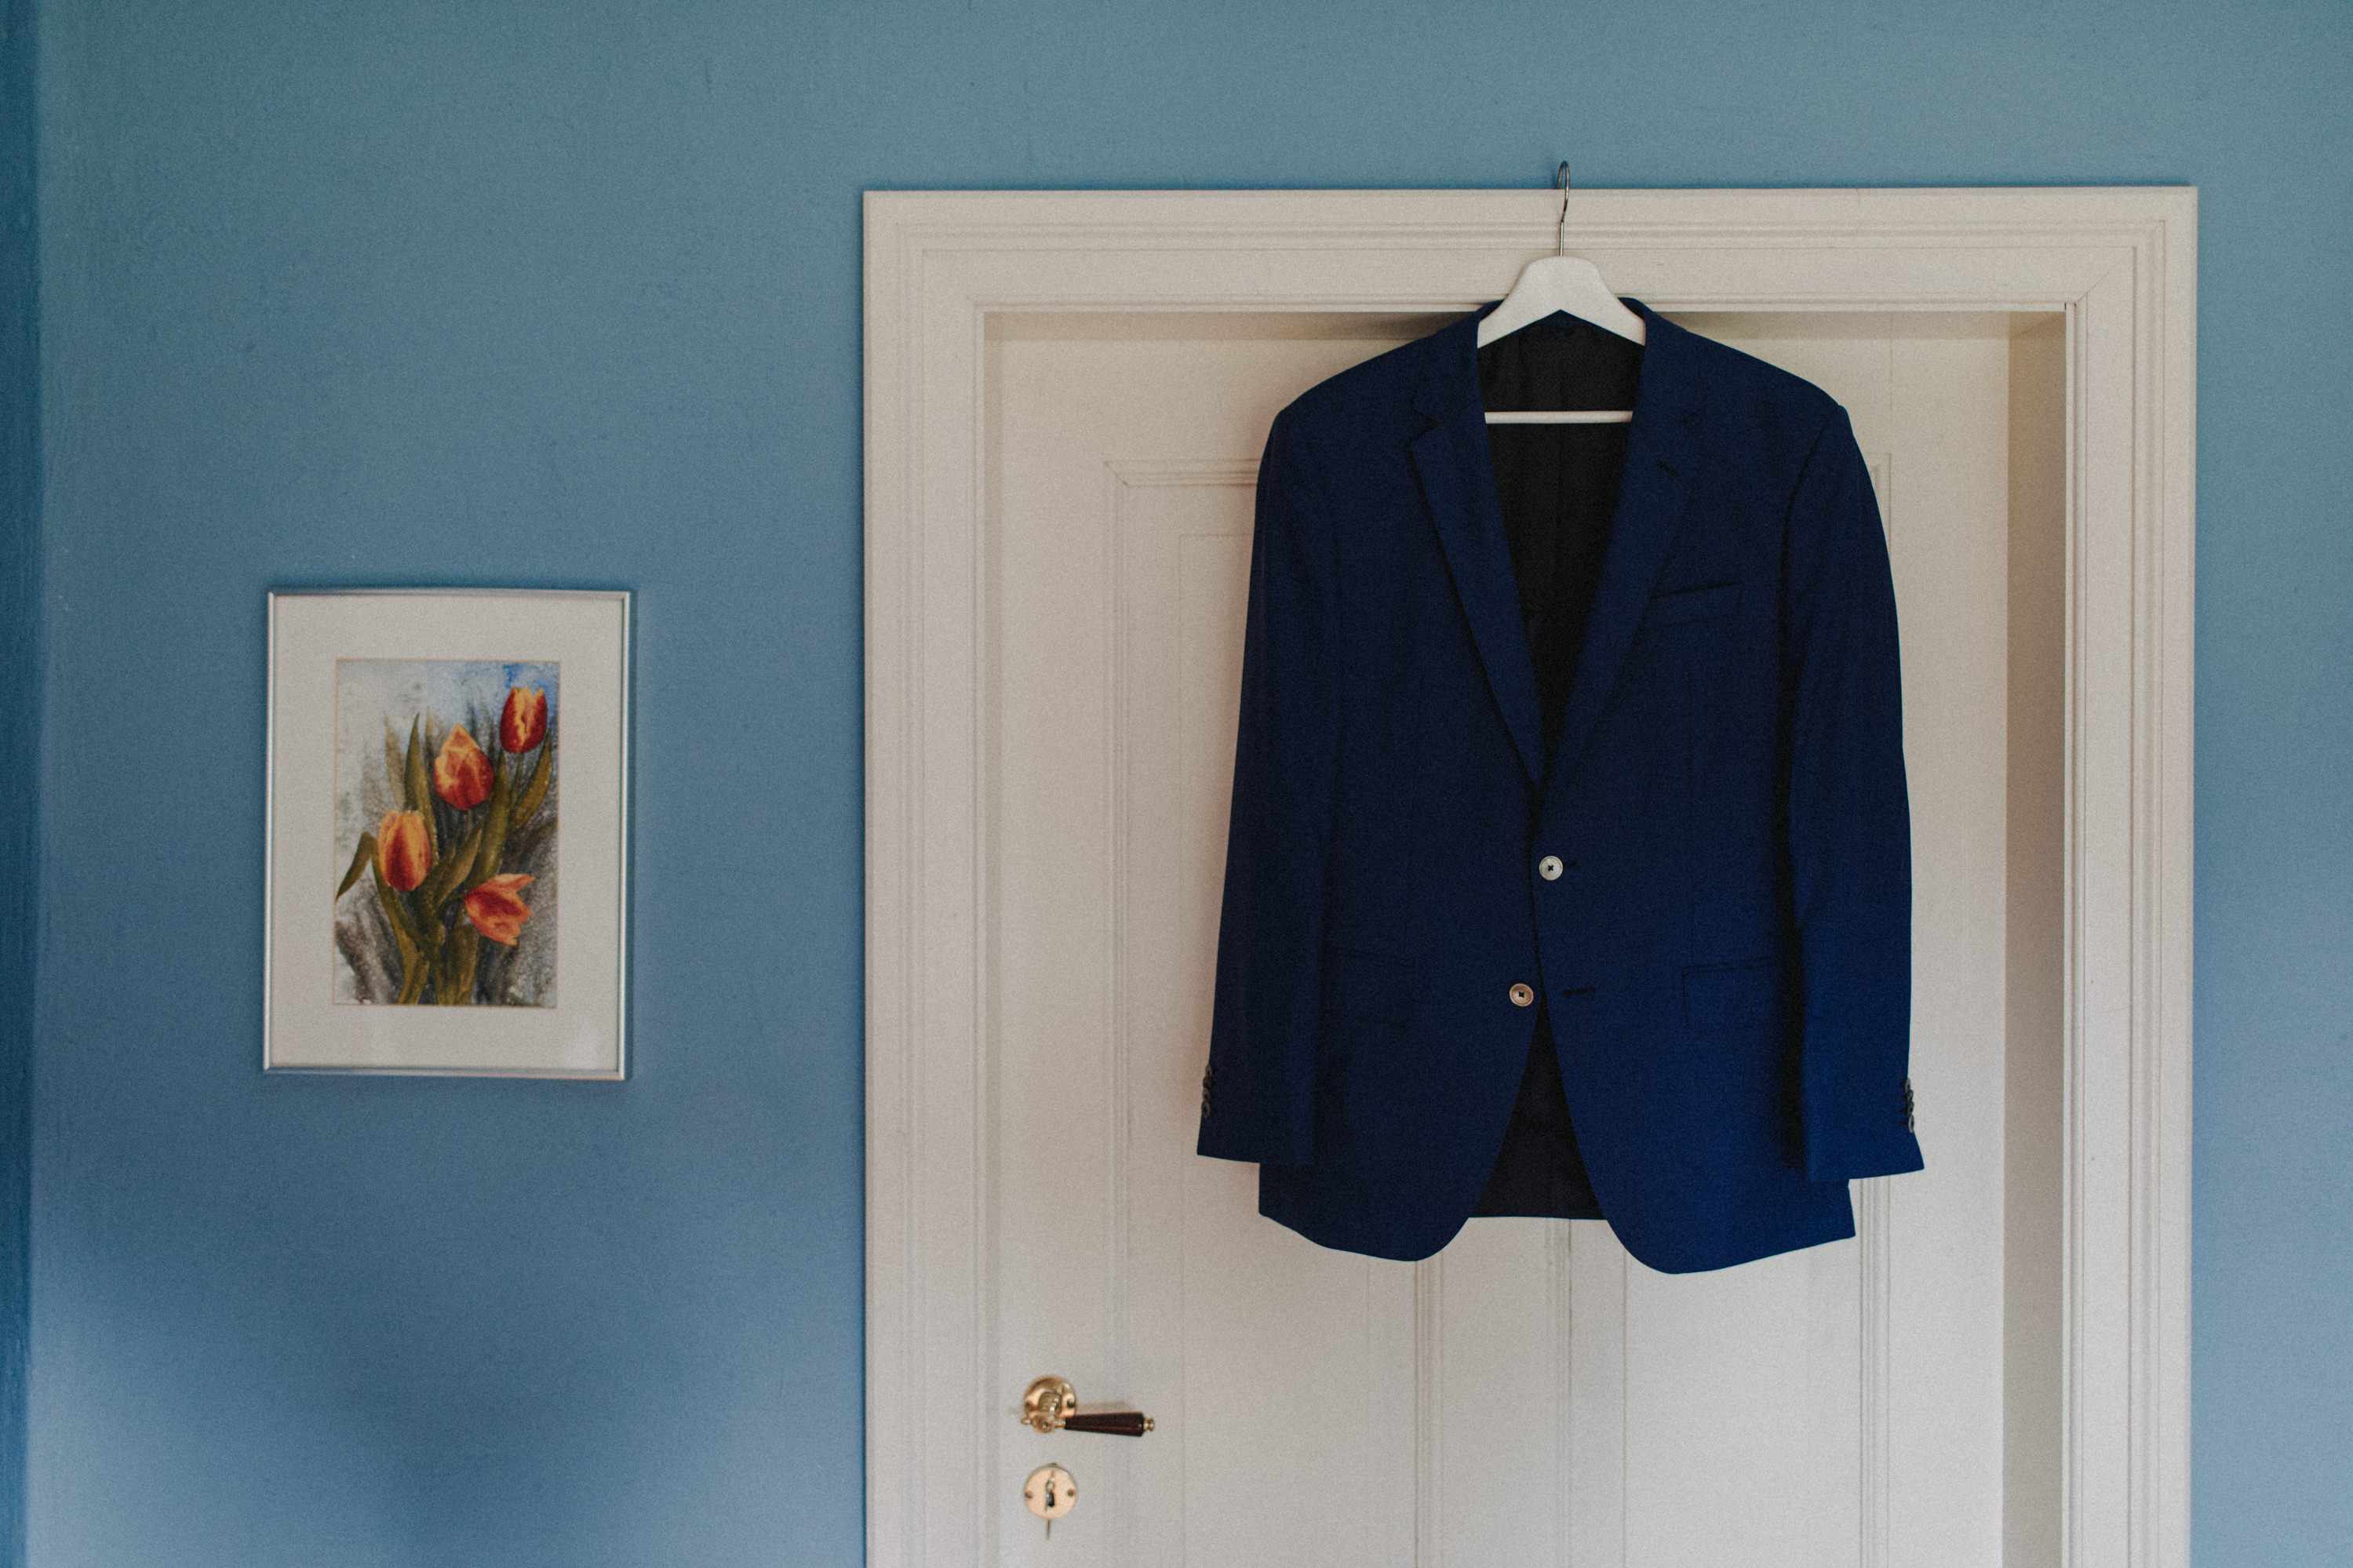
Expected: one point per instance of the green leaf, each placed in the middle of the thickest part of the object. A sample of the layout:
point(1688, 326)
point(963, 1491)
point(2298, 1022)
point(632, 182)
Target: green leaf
point(451, 873)
point(396, 911)
point(536, 790)
point(360, 859)
point(412, 966)
point(420, 794)
point(395, 775)
point(454, 986)
point(494, 825)
point(524, 841)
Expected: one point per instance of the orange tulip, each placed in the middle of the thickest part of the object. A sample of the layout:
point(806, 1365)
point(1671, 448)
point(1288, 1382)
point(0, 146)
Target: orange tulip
point(404, 850)
point(524, 722)
point(461, 774)
point(495, 910)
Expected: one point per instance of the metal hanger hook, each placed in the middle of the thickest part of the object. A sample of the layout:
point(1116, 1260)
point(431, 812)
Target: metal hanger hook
point(1560, 232)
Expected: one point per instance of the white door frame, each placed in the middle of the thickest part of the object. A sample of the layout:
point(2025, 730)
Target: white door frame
point(2119, 262)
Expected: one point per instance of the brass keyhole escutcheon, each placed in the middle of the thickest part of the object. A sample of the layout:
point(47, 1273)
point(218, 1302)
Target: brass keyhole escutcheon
point(1049, 1493)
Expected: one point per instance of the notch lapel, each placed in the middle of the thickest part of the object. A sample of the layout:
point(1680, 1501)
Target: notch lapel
point(1661, 461)
point(1458, 481)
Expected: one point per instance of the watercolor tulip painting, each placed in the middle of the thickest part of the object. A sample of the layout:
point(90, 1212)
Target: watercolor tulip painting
point(445, 807)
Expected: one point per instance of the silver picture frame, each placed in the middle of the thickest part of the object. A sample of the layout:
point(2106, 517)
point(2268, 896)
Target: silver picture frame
point(421, 742)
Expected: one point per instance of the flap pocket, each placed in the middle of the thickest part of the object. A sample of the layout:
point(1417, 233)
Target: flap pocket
point(1692, 605)
point(1367, 986)
point(1720, 996)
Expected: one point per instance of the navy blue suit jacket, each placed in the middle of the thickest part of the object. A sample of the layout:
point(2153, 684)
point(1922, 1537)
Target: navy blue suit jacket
point(1725, 951)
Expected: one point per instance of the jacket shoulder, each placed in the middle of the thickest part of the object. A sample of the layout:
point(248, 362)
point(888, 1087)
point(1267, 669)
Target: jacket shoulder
point(1757, 402)
point(1383, 384)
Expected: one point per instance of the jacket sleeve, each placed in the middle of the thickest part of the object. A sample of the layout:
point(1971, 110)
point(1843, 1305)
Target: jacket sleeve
point(1258, 1099)
point(1849, 827)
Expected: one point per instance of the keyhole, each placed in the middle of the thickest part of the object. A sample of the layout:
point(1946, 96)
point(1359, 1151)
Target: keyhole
point(1050, 1492)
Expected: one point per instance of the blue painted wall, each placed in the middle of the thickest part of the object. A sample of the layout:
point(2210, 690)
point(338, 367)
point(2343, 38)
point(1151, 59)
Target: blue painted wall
point(20, 592)
point(567, 290)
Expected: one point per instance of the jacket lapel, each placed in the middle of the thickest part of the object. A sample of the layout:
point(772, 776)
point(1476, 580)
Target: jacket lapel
point(1661, 461)
point(1458, 480)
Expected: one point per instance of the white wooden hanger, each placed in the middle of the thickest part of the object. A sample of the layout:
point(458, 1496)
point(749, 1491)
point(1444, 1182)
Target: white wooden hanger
point(1553, 283)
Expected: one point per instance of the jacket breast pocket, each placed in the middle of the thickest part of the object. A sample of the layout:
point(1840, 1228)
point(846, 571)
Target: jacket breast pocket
point(1367, 986)
point(1692, 605)
point(1718, 997)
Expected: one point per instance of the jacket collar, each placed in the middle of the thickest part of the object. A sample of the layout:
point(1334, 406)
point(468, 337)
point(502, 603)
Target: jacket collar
point(1459, 482)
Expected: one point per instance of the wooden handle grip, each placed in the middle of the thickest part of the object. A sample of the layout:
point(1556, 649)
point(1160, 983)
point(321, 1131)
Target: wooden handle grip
point(1118, 1422)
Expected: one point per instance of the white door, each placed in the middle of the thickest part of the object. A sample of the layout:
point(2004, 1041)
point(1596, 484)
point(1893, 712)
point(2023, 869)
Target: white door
point(1530, 1396)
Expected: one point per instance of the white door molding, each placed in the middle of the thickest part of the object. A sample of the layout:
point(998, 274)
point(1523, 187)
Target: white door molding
point(2119, 262)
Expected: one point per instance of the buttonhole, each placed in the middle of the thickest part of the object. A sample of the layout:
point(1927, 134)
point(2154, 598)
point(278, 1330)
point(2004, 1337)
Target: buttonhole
point(1580, 991)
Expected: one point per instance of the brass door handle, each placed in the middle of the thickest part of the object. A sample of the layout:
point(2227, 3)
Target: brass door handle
point(1051, 1405)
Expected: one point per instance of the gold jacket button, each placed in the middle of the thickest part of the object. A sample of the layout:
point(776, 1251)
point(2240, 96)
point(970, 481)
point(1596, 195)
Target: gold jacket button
point(1522, 996)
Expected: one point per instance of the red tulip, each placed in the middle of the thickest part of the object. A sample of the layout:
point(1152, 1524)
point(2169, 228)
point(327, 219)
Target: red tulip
point(523, 723)
point(404, 850)
point(495, 910)
point(461, 774)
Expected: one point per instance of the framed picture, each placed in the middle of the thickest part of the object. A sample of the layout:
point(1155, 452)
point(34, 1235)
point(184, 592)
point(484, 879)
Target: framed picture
point(448, 810)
